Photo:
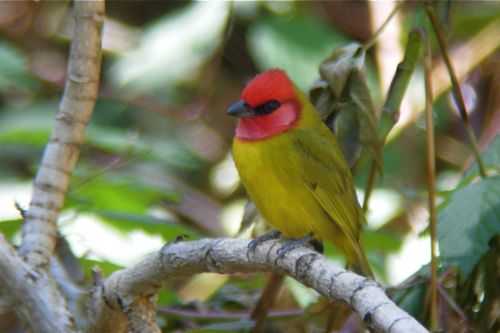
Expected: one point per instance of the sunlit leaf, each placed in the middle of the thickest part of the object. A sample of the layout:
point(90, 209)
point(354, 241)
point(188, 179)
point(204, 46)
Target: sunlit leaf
point(172, 152)
point(10, 227)
point(124, 203)
point(173, 49)
point(201, 287)
point(149, 224)
point(467, 221)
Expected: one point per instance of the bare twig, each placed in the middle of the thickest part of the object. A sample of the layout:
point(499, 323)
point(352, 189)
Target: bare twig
point(431, 175)
point(267, 298)
point(61, 153)
point(227, 256)
point(457, 90)
point(373, 39)
point(467, 56)
point(278, 314)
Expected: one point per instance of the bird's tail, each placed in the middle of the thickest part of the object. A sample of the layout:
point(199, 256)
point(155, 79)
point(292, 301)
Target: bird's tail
point(358, 263)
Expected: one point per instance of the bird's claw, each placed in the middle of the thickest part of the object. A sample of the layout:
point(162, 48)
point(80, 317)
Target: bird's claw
point(282, 251)
point(261, 239)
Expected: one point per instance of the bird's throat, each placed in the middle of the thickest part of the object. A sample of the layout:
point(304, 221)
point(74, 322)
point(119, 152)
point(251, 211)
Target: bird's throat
point(267, 126)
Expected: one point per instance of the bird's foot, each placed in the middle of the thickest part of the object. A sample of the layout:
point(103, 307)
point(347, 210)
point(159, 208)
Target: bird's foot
point(294, 244)
point(264, 238)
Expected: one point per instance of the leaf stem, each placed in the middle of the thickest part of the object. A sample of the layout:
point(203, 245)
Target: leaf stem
point(400, 82)
point(457, 91)
point(390, 109)
point(370, 185)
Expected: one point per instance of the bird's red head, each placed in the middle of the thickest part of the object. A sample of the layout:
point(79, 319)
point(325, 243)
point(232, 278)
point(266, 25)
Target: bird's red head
point(268, 106)
point(271, 85)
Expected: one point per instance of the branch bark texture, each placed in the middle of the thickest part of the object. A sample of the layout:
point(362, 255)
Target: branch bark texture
point(63, 149)
point(227, 256)
point(33, 296)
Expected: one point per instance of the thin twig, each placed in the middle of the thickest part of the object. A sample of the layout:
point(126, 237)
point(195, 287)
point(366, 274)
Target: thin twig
point(275, 314)
point(373, 39)
point(456, 89)
point(431, 175)
point(268, 297)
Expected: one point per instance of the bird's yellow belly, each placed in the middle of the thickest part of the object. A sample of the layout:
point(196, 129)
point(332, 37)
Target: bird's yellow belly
point(275, 184)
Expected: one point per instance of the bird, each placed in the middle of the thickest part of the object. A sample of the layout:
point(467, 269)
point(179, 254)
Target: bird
point(293, 169)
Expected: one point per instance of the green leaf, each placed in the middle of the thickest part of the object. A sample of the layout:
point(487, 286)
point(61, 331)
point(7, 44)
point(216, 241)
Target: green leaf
point(172, 152)
point(173, 49)
point(30, 126)
point(10, 227)
point(377, 241)
point(410, 294)
point(295, 43)
point(344, 102)
point(107, 267)
point(466, 223)
point(14, 69)
point(124, 201)
point(491, 160)
point(167, 296)
point(169, 230)
point(411, 299)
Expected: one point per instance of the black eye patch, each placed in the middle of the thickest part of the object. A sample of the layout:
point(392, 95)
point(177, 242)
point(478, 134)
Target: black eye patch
point(267, 107)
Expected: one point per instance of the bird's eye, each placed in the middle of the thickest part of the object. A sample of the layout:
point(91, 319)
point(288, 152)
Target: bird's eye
point(272, 105)
point(267, 107)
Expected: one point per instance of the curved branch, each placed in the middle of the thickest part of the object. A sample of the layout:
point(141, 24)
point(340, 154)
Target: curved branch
point(227, 256)
point(63, 149)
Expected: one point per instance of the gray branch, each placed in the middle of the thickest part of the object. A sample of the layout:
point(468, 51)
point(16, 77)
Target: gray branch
point(26, 282)
point(227, 256)
point(62, 151)
point(33, 296)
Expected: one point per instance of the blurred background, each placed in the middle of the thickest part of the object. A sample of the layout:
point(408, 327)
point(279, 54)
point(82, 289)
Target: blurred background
point(156, 161)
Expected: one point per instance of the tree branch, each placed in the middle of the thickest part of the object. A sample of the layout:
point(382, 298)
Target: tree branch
point(31, 294)
point(26, 281)
point(227, 256)
point(63, 149)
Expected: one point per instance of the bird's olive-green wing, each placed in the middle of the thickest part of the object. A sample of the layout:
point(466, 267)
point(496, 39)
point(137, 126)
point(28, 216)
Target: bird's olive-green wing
point(328, 179)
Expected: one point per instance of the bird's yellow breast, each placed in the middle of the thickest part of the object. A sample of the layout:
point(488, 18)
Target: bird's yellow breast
point(272, 173)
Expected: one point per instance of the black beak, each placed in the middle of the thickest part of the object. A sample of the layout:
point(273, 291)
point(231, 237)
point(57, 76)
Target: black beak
point(240, 109)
